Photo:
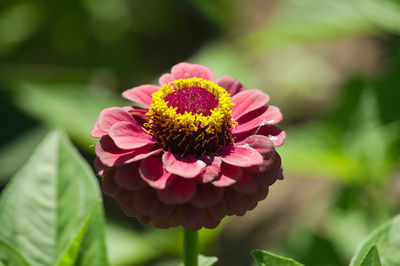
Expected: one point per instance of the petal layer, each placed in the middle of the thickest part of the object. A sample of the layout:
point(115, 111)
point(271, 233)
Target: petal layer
point(267, 115)
point(108, 117)
point(129, 136)
point(247, 101)
point(231, 85)
point(188, 167)
point(180, 191)
point(141, 94)
point(187, 70)
point(152, 171)
point(240, 156)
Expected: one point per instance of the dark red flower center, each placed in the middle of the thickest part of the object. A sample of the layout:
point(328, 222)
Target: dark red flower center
point(194, 99)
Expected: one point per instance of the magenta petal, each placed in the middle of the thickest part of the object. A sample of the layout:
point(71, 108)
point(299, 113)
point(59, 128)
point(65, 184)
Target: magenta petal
point(247, 101)
point(109, 186)
point(231, 85)
point(188, 216)
point(129, 136)
point(246, 185)
point(230, 174)
point(110, 155)
point(255, 119)
point(241, 156)
point(165, 79)
point(147, 203)
point(138, 113)
point(97, 132)
point(273, 133)
point(212, 169)
point(100, 168)
point(108, 117)
point(180, 191)
point(187, 70)
point(206, 195)
point(187, 167)
point(260, 143)
point(141, 94)
point(152, 171)
point(128, 177)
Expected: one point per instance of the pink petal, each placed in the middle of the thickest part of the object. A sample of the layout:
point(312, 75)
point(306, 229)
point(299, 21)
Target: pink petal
point(230, 174)
point(101, 168)
point(232, 203)
point(240, 156)
point(255, 119)
point(109, 186)
point(212, 169)
point(138, 113)
point(271, 160)
point(206, 195)
point(129, 136)
point(187, 167)
point(209, 221)
point(273, 133)
point(110, 155)
point(127, 177)
point(147, 204)
point(187, 70)
point(123, 196)
point(97, 132)
point(269, 171)
point(144, 152)
point(108, 117)
point(260, 143)
point(129, 207)
point(152, 171)
point(141, 94)
point(235, 205)
point(165, 79)
point(247, 101)
point(180, 191)
point(188, 216)
point(246, 185)
point(231, 85)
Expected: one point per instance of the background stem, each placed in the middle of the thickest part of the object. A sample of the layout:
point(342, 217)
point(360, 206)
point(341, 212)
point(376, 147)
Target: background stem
point(190, 247)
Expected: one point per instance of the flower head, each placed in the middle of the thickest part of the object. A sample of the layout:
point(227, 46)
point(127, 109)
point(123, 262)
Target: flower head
point(199, 151)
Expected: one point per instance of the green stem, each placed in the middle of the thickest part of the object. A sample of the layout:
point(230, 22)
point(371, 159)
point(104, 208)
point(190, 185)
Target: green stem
point(190, 247)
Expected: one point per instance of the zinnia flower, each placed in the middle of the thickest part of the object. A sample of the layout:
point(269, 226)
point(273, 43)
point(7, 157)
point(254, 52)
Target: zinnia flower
point(199, 151)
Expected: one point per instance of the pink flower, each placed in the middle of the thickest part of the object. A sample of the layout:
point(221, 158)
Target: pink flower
point(199, 151)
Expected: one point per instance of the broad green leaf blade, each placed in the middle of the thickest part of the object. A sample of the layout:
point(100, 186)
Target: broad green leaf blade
point(264, 258)
point(202, 261)
point(372, 258)
point(11, 257)
point(15, 153)
point(386, 238)
point(207, 261)
point(50, 207)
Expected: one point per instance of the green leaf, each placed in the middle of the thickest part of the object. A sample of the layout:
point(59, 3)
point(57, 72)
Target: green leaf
point(202, 261)
point(15, 153)
point(372, 258)
point(207, 261)
point(264, 258)
point(386, 238)
point(52, 210)
point(11, 257)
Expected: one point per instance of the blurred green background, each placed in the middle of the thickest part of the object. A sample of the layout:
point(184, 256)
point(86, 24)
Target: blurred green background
point(333, 67)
